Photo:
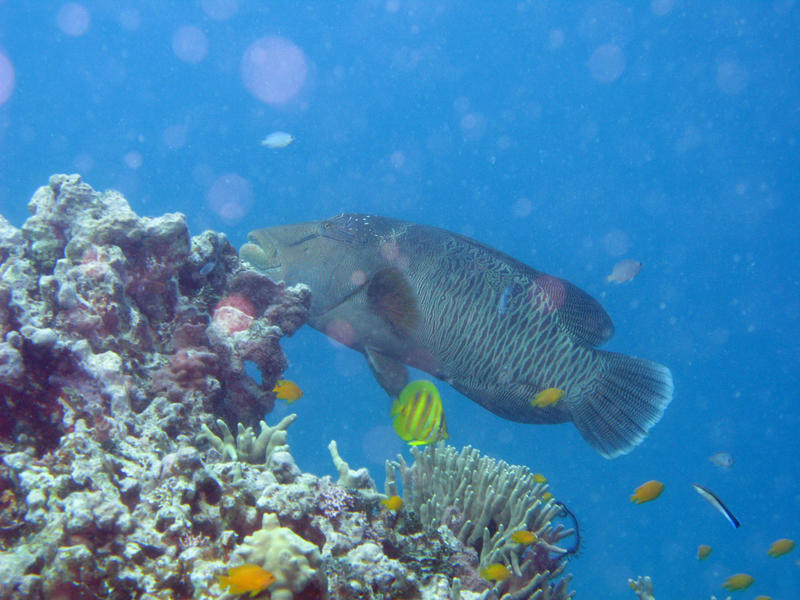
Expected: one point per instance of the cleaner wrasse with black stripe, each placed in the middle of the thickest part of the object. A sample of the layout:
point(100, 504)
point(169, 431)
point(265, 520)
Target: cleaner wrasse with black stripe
point(497, 330)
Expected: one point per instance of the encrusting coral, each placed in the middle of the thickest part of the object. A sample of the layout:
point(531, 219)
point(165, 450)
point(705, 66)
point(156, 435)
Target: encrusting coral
point(122, 349)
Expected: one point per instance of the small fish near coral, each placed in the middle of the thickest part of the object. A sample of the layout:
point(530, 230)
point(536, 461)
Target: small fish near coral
point(524, 537)
point(418, 415)
point(495, 572)
point(497, 330)
point(703, 551)
point(624, 270)
point(780, 547)
point(539, 478)
point(393, 503)
point(287, 390)
point(547, 397)
point(246, 578)
point(649, 490)
point(740, 581)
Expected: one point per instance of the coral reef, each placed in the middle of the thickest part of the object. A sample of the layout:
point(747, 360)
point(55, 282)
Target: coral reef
point(483, 502)
point(123, 344)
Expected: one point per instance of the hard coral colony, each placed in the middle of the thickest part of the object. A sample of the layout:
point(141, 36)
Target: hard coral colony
point(122, 350)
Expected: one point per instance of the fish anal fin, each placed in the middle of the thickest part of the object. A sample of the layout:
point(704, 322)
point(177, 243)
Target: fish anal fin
point(391, 374)
point(390, 295)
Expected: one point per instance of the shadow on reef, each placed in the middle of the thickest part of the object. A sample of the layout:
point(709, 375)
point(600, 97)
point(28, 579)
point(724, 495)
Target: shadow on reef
point(135, 462)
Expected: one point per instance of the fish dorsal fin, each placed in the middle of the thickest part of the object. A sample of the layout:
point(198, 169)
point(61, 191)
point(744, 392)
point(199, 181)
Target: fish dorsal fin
point(582, 315)
point(390, 295)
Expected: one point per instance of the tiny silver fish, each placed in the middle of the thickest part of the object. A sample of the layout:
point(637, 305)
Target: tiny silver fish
point(723, 460)
point(278, 139)
point(624, 270)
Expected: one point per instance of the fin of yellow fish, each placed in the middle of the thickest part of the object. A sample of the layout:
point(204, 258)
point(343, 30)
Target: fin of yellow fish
point(547, 397)
point(649, 490)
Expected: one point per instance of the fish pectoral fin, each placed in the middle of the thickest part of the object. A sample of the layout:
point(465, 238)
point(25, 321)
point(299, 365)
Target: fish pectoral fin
point(390, 373)
point(390, 295)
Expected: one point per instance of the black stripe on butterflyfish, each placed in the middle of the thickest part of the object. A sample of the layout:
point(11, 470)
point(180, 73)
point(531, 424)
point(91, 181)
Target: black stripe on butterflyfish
point(712, 499)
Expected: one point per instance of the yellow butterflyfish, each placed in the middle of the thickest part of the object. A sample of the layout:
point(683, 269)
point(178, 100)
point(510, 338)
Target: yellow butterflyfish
point(495, 572)
point(780, 547)
point(393, 502)
point(418, 415)
point(524, 537)
point(740, 581)
point(287, 390)
point(246, 578)
point(703, 551)
point(649, 490)
point(547, 397)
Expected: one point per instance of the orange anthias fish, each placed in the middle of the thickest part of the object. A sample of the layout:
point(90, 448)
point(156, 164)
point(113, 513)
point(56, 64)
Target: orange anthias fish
point(526, 538)
point(246, 578)
point(392, 502)
point(547, 397)
point(287, 390)
point(780, 547)
point(650, 490)
point(495, 572)
point(740, 581)
point(703, 551)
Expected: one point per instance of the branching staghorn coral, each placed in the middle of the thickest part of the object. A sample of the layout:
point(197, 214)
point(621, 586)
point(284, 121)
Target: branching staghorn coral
point(484, 501)
point(642, 587)
point(247, 447)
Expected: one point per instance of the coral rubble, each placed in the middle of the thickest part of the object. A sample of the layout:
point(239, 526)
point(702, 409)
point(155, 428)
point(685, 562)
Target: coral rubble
point(123, 345)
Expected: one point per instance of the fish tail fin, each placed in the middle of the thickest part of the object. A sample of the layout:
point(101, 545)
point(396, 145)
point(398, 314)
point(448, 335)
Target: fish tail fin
point(628, 397)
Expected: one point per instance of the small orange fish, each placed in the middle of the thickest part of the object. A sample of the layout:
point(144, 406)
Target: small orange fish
point(703, 551)
point(740, 581)
point(649, 490)
point(762, 598)
point(539, 478)
point(393, 502)
point(780, 547)
point(287, 390)
point(495, 572)
point(526, 538)
point(547, 397)
point(246, 578)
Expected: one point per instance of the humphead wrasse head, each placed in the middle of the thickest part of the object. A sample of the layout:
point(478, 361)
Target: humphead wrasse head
point(336, 257)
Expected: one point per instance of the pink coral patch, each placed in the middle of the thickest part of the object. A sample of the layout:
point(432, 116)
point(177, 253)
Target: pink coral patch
point(234, 313)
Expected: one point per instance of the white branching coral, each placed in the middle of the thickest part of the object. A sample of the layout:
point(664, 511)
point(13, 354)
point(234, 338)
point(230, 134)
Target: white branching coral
point(247, 447)
point(484, 501)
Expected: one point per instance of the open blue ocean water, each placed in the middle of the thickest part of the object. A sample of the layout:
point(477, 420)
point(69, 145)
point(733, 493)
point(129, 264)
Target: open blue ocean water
point(570, 135)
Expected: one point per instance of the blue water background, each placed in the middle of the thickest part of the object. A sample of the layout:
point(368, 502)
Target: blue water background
point(568, 134)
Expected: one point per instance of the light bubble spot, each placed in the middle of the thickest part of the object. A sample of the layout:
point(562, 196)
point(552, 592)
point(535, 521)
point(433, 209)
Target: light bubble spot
point(616, 242)
point(731, 77)
point(133, 159)
point(398, 159)
point(358, 277)
point(220, 10)
point(189, 44)
point(556, 38)
point(340, 332)
point(230, 197)
point(83, 162)
point(274, 69)
point(607, 63)
point(174, 136)
point(130, 19)
point(7, 78)
point(522, 208)
point(73, 19)
point(392, 6)
point(661, 7)
point(473, 125)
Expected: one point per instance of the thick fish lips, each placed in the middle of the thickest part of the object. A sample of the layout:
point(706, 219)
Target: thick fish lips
point(262, 252)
